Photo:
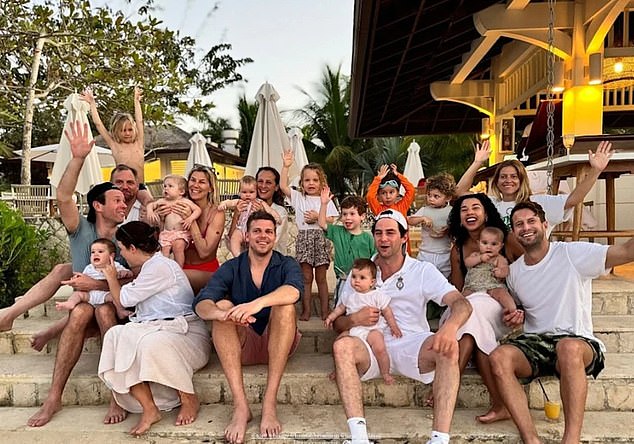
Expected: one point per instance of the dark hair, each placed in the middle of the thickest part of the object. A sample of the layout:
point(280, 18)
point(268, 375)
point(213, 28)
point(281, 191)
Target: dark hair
point(139, 234)
point(260, 215)
point(278, 196)
point(356, 202)
point(529, 205)
point(123, 167)
point(460, 233)
point(107, 242)
point(365, 264)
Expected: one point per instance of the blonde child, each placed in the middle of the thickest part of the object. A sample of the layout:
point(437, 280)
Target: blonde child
point(383, 192)
point(312, 247)
point(174, 235)
point(125, 138)
point(248, 195)
point(436, 244)
point(487, 269)
point(362, 280)
point(101, 252)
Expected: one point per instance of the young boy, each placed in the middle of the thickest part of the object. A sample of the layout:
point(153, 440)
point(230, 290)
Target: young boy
point(362, 280)
point(174, 235)
point(349, 239)
point(101, 251)
point(436, 245)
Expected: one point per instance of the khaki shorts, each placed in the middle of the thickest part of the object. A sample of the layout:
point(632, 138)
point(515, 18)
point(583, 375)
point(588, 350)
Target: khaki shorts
point(255, 349)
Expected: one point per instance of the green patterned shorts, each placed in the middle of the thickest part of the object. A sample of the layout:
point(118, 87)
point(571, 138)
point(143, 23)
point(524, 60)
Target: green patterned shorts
point(540, 350)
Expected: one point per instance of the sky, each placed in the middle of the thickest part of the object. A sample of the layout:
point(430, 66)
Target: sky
point(290, 41)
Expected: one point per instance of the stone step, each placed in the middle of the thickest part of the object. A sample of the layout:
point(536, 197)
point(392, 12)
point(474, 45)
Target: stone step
point(25, 381)
point(310, 424)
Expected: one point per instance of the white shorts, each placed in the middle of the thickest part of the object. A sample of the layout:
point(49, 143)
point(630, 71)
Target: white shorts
point(97, 297)
point(403, 354)
point(439, 260)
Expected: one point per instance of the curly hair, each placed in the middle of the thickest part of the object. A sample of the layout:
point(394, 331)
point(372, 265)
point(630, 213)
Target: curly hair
point(460, 233)
point(443, 182)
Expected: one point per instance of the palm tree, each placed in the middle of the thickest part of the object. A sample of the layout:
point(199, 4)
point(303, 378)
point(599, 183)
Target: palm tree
point(450, 153)
point(248, 111)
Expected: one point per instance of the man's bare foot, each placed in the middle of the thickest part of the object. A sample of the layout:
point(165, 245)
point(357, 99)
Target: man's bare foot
point(332, 375)
point(270, 426)
point(237, 428)
point(388, 379)
point(189, 409)
point(6, 321)
point(145, 422)
point(493, 415)
point(304, 316)
point(115, 413)
point(45, 413)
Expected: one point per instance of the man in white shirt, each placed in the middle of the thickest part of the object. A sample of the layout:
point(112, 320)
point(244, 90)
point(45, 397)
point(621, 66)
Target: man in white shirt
point(553, 282)
point(125, 178)
point(419, 353)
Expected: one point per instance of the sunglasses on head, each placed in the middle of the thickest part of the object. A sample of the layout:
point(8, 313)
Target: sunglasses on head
point(390, 183)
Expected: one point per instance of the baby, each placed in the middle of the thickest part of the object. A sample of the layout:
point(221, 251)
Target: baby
point(362, 279)
point(174, 235)
point(248, 195)
point(101, 251)
point(487, 269)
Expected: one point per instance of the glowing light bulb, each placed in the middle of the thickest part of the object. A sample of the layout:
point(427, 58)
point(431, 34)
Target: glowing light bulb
point(618, 66)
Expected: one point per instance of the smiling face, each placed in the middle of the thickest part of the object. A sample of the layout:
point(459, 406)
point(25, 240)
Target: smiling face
point(490, 243)
point(100, 255)
point(311, 184)
point(351, 218)
point(261, 236)
point(362, 280)
point(508, 183)
point(387, 238)
point(472, 215)
point(199, 186)
point(114, 207)
point(529, 229)
point(266, 186)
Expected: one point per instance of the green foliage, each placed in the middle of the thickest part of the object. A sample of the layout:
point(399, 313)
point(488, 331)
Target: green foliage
point(248, 112)
point(214, 128)
point(23, 261)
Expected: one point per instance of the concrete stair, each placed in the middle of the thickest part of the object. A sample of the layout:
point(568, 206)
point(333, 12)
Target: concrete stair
point(309, 402)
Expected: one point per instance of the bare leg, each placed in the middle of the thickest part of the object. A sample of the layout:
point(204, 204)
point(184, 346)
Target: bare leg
point(507, 364)
point(322, 289)
point(377, 343)
point(178, 248)
point(166, 251)
point(498, 411)
point(198, 279)
point(282, 329)
point(351, 360)
point(189, 408)
point(151, 414)
point(122, 313)
point(41, 338)
point(573, 355)
point(68, 351)
point(228, 347)
point(466, 346)
point(307, 271)
point(72, 301)
point(38, 294)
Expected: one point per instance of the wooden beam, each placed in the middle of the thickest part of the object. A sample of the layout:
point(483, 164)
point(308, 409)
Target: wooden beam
point(513, 55)
point(497, 18)
point(517, 4)
point(477, 94)
point(601, 23)
point(562, 42)
point(479, 49)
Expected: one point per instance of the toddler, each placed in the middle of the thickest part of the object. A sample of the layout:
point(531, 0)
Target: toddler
point(383, 192)
point(362, 279)
point(174, 235)
point(102, 251)
point(248, 195)
point(312, 247)
point(487, 269)
point(436, 244)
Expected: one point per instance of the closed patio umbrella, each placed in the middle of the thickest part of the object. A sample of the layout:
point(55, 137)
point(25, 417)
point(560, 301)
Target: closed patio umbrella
point(295, 137)
point(413, 166)
point(198, 154)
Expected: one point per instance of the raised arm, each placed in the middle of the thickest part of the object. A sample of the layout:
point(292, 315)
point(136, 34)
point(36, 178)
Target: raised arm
point(598, 162)
point(373, 190)
point(410, 189)
point(80, 147)
point(325, 197)
point(138, 116)
point(287, 161)
point(620, 254)
point(88, 96)
point(482, 154)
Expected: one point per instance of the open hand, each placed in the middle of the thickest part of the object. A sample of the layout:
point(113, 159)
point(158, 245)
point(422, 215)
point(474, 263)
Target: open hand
point(80, 143)
point(482, 152)
point(600, 159)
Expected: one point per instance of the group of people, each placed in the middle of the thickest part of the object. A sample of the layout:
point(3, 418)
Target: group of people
point(487, 259)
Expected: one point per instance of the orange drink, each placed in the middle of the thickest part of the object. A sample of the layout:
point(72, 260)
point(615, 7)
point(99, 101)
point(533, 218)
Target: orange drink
point(552, 409)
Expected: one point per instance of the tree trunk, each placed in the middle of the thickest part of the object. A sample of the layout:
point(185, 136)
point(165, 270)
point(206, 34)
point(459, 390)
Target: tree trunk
point(27, 132)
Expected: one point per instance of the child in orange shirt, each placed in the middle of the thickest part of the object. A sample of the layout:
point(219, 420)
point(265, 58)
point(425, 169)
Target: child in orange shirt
point(383, 192)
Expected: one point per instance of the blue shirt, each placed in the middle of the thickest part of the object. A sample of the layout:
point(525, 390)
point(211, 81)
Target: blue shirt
point(233, 281)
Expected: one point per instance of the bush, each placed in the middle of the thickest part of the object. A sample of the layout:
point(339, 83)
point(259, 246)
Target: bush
point(24, 258)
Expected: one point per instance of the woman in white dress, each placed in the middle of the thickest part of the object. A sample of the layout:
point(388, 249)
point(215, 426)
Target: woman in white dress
point(149, 362)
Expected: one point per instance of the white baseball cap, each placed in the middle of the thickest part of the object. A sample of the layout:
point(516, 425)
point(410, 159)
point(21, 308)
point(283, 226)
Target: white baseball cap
point(394, 215)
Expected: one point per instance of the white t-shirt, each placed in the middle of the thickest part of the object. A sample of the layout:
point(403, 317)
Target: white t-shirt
point(557, 292)
point(439, 221)
point(409, 290)
point(553, 207)
point(134, 214)
point(303, 203)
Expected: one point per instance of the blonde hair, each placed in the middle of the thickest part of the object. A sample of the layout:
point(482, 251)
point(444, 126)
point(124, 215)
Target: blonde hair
point(524, 193)
point(180, 181)
point(320, 173)
point(213, 196)
point(117, 121)
point(248, 180)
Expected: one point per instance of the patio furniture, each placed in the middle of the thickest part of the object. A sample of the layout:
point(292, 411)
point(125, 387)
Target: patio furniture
point(32, 200)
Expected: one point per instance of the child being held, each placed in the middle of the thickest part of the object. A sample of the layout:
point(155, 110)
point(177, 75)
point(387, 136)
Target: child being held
point(248, 195)
point(383, 192)
point(174, 235)
point(102, 251)
point(363, 279)
point(436, 244)
point(487, 269)
point(349, 239)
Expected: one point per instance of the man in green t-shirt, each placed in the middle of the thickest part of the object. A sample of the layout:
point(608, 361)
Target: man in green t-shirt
point(349, 239)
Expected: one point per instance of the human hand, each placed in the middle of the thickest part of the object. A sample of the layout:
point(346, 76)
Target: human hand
point(187, 223)
point(110, 271)
point(442, 342)
point(243, 313)
point(138, 94)
point(513, 318)
point(482, 153)
point(287, 158)
point(396, 332)
point(182, 209)
point(367, 316)
point(311, 216)
point(87, 96)
point(600, 159)
point(383, 170)
point(426, 222)
point(328, 323)
point(325, 195)
point(81, 282)
point(80, 145)
point(394, 169)
point(486, 257)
